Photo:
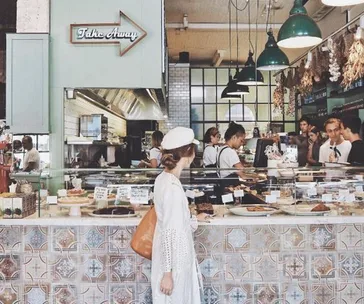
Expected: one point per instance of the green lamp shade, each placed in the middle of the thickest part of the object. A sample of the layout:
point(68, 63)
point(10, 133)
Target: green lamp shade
point(225, 96)
point(299, 30)
point(341, 2)
point(249, 75)
point(235, 89)
point(272, 58)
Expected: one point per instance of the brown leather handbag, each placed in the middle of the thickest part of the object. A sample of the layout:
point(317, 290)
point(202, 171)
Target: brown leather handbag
point(142, 241)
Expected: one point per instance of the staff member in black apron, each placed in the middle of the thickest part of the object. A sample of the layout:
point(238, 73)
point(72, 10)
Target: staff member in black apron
point(211, 139)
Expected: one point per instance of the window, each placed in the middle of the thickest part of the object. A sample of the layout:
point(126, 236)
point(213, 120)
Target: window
point(41, 144)
point(254, 109)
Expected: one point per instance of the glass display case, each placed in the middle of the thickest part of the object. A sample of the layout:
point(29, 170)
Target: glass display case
point(80, 192)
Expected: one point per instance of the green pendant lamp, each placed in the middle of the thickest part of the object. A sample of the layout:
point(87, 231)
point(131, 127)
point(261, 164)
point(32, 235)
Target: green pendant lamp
point(249, 75)
point(272, 58)
point(237, 89)
point(230, 88)
point(299, 30)
point(341, 2)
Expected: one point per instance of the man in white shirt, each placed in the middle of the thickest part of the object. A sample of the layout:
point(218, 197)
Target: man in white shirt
point(32, 158)
point(335, 149)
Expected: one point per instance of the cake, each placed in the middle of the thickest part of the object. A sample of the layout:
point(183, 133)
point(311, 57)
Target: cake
point(75, 192)
point(114, 211)
point(205, 208)
point(74, 200)
point(320, 207)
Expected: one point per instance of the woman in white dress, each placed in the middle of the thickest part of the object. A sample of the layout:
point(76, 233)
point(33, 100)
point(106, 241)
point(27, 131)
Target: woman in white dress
point(175, 278)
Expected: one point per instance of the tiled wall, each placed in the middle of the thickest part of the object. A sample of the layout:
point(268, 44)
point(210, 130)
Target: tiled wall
point(318, 264)
point(74, 108)
point(179, 98)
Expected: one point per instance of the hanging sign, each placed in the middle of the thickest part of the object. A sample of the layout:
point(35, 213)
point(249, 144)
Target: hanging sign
point(126, 33)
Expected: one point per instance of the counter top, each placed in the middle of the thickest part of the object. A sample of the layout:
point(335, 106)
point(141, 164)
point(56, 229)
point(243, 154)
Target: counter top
point(61, 218)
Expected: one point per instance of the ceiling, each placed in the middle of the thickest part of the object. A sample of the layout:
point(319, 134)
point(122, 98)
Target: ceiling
point(212, 19)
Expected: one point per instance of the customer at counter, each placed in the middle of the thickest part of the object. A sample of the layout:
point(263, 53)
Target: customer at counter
point(155, 154)
point(302, 140)
point(174, 269)
point(315, 140)
point(336, 149)
point(31, 158)
point(350, 129)
point(211, 139)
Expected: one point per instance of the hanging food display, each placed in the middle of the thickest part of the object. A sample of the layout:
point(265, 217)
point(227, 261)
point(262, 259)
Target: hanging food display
point(316, 66)
point(289, 80)
point(306, 82)
point(334, 67)
point(348, 41)
point(339, 44)
point(296, 77)
point(354, 67)
point(278, 94)
point(292, 102)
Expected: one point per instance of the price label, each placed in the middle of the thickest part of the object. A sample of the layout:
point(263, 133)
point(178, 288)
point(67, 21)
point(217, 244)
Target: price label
point(101, 193)
point(227, 198)
point(238, 193)
point(62, 192)
point(350, 198)
point(51, 200)
point(359, 188)
point(327, 198)
point(190, 194)
point(67, 178)
point(123, 191)
point(43, 192)
point(271, 199)
point(359, 177)
point(139, 195)
point(344, 193)
point(276, 193)
point(311, 191)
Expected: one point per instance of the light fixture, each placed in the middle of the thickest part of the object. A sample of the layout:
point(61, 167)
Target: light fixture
point(249, 75)
point(272, 58)
point(233, 91)
point(341, 2)
point(299, 30)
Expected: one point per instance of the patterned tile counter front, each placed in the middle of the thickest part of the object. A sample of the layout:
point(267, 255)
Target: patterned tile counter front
point(308, 263)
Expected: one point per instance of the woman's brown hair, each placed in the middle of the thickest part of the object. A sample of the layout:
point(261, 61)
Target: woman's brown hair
point(170, 158)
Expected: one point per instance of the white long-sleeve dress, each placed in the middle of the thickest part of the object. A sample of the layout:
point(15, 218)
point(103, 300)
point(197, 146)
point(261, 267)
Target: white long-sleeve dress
point(173, 246)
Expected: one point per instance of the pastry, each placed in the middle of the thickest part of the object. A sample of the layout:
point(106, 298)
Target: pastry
point(320, 207)
point(74, 200)
point(75, 192)
point(256, 209)
point(205, 208)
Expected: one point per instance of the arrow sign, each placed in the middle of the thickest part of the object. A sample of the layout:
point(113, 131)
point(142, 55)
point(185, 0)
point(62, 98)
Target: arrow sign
point(126, 34)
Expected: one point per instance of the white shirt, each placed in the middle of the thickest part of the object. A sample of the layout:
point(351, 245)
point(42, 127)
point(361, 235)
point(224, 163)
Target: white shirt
point(344, 149)
point(228, 158)
point(32, 156)
point(155, 153)
point(210, 155)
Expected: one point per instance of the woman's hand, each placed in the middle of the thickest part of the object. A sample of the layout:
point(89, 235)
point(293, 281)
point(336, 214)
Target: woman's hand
point(332, 158)
point(167, 284)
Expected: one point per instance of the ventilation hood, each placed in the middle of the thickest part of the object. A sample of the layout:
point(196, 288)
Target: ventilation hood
point(131, 104)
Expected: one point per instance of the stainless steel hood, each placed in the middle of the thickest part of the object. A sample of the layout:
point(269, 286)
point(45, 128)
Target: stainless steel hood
point(132, 104)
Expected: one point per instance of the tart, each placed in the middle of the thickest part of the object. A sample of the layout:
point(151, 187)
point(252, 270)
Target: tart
point(256, 209)
point(75, 192)
point(73, 200)
point(320, 207)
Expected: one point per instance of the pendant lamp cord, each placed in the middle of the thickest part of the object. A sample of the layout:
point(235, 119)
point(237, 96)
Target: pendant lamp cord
point(237, 37)
point(255, 67)
point(268, 15)
point(236, 6)
point(250, 41)
point(230, 63)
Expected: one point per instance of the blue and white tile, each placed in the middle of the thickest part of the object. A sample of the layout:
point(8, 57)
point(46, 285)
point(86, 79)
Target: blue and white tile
point(10, 240)
point(94, 268)
point(122, 268)
point(119, 239)
point(93, 239)
point(238, 267)
point(36, 294)
point(144, 294)
point(212, 267)
point(351, 265)
point(211, 294)
point(238, 294)
point(237, 239)
point(323, 237)
point(35, 268)
point(294, 292)
point(266, 267)
point(350, 292)
point(64, 267)
point(295, 266)
point(36, 238)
